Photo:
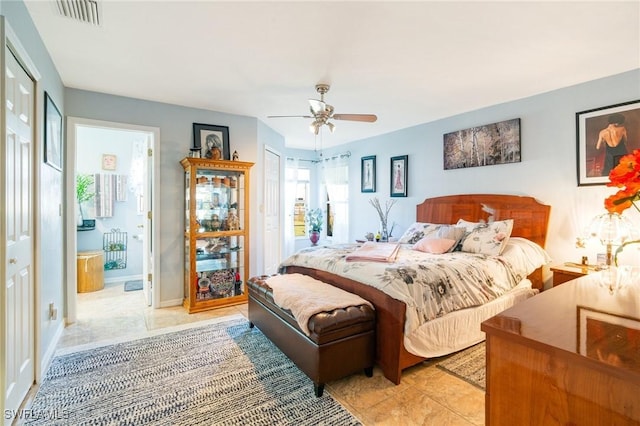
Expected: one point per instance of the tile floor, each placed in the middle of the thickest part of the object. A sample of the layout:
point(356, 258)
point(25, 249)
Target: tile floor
point(426, 396)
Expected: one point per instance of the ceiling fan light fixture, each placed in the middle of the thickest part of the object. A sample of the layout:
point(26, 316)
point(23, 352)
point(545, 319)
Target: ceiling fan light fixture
point(322, 112)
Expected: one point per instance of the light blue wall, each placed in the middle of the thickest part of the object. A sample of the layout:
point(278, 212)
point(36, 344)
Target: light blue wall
point(49, 230)
point(547, 170)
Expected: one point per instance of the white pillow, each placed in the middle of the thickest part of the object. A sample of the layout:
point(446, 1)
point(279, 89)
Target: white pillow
point(434, 245)
point(417, 231)
point(469, 226)
point(487, 238)
point(526, 253)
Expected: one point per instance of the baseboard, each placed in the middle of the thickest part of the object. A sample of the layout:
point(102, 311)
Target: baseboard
point(122, 279)
point(48, 354)
point(169, 303)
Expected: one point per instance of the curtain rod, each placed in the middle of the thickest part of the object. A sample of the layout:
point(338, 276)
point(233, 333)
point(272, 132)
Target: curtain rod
point(302, 159)
point(344, 154)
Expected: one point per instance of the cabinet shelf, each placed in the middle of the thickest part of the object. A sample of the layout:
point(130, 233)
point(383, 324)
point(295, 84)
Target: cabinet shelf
point(216, 233)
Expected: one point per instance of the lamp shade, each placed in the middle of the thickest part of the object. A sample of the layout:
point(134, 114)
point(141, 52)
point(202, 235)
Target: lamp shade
point(610, 229)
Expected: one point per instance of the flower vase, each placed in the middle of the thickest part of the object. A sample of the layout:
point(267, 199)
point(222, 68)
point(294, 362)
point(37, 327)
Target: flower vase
point(314, 236)
point(384, 235)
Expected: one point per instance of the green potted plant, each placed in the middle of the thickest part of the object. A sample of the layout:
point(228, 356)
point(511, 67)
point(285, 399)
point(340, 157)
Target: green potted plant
point(314, 219)
point(84, 184)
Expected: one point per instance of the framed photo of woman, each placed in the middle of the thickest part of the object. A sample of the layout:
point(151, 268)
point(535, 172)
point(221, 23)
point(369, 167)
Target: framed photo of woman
point(603, 136)
point(212, 140)
point(368, 174)
point(399, 171)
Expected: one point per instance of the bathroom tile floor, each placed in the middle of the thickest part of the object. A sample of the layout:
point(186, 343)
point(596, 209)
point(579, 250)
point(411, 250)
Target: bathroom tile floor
point(426, 395)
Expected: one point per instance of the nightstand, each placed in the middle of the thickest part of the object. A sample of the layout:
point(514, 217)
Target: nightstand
point(564, 273)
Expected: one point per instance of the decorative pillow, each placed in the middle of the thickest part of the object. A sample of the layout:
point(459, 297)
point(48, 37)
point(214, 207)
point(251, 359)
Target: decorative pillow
point(434, 245)
point(488, 238)
point(468, 225)
point(418, 231)
point(451, 232)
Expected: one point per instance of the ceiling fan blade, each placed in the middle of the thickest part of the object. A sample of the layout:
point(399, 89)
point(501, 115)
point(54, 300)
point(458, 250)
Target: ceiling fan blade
point(317, 106)
point(367, 118)
point(290, 116)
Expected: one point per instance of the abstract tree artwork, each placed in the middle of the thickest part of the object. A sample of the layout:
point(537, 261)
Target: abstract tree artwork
point(497, 143)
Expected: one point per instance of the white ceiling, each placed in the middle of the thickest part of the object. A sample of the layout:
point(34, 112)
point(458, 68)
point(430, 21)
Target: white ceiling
point(409, 62)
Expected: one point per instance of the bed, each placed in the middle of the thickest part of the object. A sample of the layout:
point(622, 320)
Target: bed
point(395, 351)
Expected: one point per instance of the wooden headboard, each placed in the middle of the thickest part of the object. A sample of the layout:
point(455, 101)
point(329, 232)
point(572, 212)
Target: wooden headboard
point(530, 218)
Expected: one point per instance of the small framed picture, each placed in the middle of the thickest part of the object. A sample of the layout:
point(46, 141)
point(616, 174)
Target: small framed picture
point(603, 136)
point(368, 174)
point(399, 171)
point(212, 140)
point(52, 134)
point(109, 162)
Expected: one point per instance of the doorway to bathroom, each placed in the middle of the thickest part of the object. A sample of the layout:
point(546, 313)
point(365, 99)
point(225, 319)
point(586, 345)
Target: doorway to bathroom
point(113, 252)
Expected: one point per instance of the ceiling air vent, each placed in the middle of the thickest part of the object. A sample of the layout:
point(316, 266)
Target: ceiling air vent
point(81, 10)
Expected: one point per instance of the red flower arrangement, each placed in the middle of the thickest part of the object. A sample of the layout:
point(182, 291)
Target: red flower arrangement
point(625, 175)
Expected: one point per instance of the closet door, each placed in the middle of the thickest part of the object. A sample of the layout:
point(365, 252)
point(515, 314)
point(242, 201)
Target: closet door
point(18, 230)
point(272, 240)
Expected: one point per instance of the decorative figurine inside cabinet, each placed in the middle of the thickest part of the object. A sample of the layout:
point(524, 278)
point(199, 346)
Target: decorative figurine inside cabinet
point(216, 232)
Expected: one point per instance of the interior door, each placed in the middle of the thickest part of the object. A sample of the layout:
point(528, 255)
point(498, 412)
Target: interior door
point(19, 293)
point(147, 246)
point(272, 217)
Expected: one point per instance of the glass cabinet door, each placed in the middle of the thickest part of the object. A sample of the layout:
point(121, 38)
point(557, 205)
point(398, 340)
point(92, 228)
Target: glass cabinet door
point(216, 232)
point(219, 262)
point(219, 201)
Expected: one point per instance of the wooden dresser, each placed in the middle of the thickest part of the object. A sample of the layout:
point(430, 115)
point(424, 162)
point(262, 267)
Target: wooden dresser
point(570, 355)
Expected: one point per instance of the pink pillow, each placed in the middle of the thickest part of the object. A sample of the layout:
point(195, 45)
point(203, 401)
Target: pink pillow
point(434, 245)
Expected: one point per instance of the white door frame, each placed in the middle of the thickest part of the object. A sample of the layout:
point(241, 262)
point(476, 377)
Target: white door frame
point(9, 39)
point(72, 244)
point(267, 239)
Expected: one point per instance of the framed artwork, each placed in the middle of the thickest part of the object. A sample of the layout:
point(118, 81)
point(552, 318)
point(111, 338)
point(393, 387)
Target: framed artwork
point(496, 143)
point(368, 174)
point(52, 134)
point(109, 162)
point(603, 136)
point(399, 171)
point(213, 141)
point(609, 338)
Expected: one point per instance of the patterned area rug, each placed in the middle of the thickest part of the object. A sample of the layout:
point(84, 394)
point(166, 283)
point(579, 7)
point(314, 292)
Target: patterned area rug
point(220, 374)
point(469, 365)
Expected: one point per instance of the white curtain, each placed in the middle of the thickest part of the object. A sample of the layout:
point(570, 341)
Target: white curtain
point(291, 183)
point(335, 177)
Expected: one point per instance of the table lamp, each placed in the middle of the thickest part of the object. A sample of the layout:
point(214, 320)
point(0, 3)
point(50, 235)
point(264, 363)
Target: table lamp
point(611, 229)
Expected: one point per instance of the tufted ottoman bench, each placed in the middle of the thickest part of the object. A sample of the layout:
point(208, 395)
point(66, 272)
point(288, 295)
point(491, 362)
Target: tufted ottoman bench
point(340, 341)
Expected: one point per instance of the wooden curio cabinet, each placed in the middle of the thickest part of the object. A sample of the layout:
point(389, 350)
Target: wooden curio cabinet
point(216, 233)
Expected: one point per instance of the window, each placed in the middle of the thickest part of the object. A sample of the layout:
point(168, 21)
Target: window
point(298, 183)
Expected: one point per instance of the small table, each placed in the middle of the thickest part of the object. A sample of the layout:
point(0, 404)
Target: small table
point(565, 272)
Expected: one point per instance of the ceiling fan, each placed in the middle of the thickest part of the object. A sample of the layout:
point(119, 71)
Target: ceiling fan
point(322, 112)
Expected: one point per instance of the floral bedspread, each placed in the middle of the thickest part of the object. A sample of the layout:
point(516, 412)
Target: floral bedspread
point(431, 285)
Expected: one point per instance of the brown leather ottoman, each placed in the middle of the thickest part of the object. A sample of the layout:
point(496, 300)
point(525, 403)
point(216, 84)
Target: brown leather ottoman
point(341, 341)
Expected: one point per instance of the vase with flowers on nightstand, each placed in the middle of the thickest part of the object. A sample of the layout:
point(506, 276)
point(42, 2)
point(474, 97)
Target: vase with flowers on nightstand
point(314, 221)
